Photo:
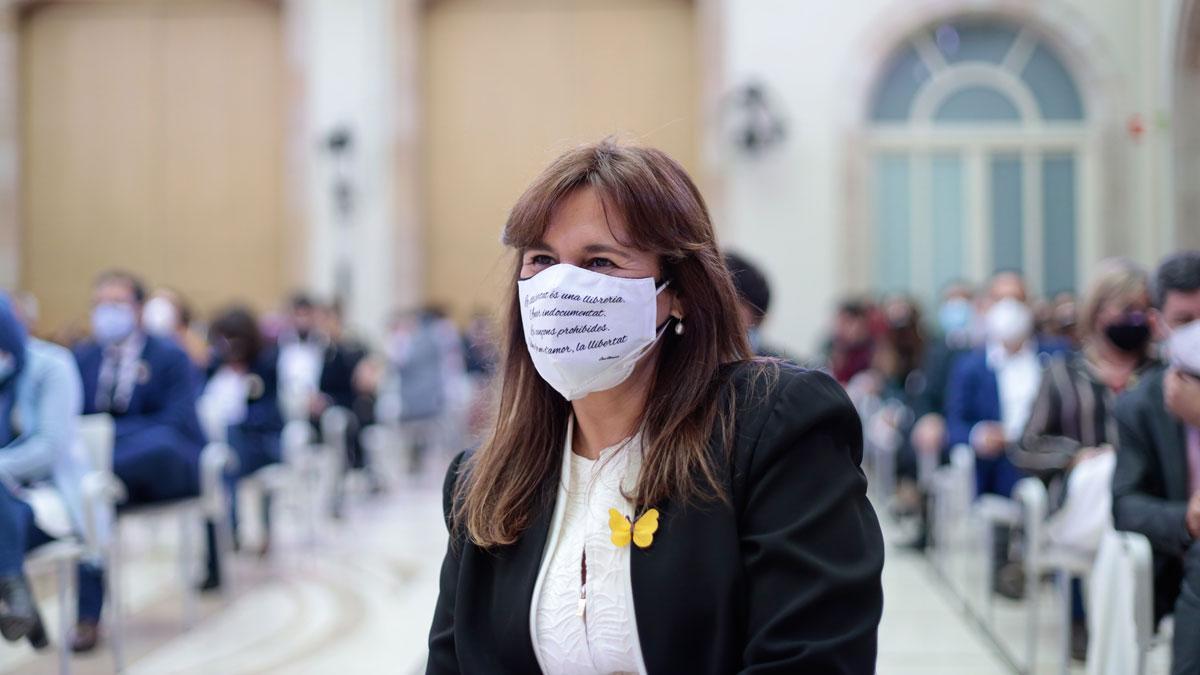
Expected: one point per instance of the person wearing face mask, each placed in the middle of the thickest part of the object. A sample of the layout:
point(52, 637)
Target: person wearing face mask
point(1072, 419)
point(149, 386)
point(988, 401)
point(992, 389)
point(168, 314)
point(40, 475)
point(240, 405)
point(650, 499)
point(1072, 425)
point(1156, 483)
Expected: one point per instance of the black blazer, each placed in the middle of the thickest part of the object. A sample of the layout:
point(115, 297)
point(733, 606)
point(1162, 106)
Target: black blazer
point(1150, 482)
point(785, 580)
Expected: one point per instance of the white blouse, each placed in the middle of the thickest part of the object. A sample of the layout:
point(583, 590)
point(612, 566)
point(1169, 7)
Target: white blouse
point(589, 627)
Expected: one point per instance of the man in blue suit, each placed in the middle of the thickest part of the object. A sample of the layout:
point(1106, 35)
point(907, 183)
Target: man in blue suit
point(992, 388)
point(989, 396)
point(149, 387)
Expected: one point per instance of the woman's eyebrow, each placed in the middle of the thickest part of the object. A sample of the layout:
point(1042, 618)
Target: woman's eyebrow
point(539, 245)
point(593, 249)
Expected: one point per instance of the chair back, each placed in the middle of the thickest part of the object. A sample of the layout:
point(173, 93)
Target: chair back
point(97, 432)
point(335, 422)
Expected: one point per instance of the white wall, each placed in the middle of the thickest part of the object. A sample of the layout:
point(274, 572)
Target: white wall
point(344, 52)
point(788, 210)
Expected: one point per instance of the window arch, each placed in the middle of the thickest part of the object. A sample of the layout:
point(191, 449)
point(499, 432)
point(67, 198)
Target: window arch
point(976, 132)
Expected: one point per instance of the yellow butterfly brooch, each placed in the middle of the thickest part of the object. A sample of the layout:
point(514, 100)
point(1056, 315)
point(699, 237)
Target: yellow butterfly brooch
point(641, 532)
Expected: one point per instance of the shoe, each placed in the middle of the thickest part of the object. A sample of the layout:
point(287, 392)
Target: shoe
point(211, 583)
point(37, 635)
point(18, 614)
point(1079, 640)
point(1010, 581)
point(86, 637)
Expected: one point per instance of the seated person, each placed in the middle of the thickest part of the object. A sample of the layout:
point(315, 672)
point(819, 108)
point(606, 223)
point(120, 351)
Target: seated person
point(39, 474)
point(1156, 483)
point(338, 385)
point(414, 393)
point(167, 314)
point(240, 405)
point(302, 352)
point(149, 386)
point(1071, 423)
point(1072, 414)
point(988, 401)
point(991, 389)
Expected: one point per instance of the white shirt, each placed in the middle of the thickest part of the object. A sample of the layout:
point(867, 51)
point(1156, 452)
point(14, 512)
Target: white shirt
point(603, 637)
point(223, 402)
point(1018, 377)
point(300, 365)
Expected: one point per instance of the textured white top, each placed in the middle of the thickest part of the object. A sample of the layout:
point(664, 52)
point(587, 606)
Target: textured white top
point(603, 638)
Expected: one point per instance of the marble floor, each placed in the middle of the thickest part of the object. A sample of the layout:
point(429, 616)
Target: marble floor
point(360, 602)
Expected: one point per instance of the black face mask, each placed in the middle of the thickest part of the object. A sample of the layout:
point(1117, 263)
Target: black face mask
point(1130, 335)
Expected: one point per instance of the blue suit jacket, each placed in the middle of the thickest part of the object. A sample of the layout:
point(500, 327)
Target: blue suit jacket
point(972, 393)
point(162, 406)
point(256, 439)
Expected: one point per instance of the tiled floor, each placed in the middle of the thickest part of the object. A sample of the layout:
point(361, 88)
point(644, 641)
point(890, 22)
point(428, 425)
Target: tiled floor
point(361, 601)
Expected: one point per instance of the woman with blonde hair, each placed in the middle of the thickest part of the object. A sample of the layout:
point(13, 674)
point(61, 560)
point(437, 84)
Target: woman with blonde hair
point(1072, 418)
point(1072, 426)
point(649, 499)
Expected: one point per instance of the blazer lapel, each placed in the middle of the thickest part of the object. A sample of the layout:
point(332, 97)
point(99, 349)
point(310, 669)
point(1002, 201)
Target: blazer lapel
point(647, 568)
point(1172, 449)
point(520, 566)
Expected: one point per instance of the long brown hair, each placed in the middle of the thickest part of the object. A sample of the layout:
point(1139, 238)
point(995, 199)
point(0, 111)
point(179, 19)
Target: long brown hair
point(512, 475)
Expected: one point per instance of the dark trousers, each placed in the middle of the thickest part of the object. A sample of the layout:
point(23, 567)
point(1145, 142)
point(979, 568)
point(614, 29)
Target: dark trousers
point(1185, 648)
point(996, 476)
point(153, 470)
point(18, 533)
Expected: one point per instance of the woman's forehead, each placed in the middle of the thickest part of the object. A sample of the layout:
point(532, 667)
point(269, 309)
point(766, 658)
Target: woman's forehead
point(583, 219)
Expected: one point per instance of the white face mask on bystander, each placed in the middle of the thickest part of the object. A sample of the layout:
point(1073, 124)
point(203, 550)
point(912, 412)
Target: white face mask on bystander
point(586, 331)
point(1183, 348)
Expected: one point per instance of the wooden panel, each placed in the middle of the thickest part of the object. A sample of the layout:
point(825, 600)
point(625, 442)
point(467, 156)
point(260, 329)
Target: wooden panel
point(152, 141)
point(511, 84)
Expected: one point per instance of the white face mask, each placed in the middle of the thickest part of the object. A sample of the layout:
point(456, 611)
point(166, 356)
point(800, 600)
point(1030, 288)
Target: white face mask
point(586, 331)
point(1183, 348)
point(159, 317)
point(1009, 321)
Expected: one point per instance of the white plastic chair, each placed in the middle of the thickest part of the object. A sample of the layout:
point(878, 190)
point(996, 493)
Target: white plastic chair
point(1120, 551)
point(953, 490)
point(383, 445)
point(99, 491)
point(59, 557)
point(1042, 556)
point(336, 423)
point(106, 490)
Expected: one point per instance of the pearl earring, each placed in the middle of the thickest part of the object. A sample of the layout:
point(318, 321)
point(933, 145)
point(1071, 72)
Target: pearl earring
point(679, 326)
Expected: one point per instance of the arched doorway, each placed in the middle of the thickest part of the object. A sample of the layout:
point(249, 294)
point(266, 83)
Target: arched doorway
point(982, 138)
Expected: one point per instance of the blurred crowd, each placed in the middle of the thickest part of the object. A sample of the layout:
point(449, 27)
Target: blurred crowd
point(1095, 397)
point(174, 384)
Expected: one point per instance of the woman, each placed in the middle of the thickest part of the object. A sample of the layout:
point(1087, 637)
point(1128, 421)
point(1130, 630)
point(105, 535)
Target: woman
point(1068, 440)
point(1071, 418)
point(648, 500)
point(240, 406)
point(40, 477)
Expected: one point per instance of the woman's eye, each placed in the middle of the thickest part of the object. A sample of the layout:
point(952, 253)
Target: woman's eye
point(600, 262)
point(541, 259)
